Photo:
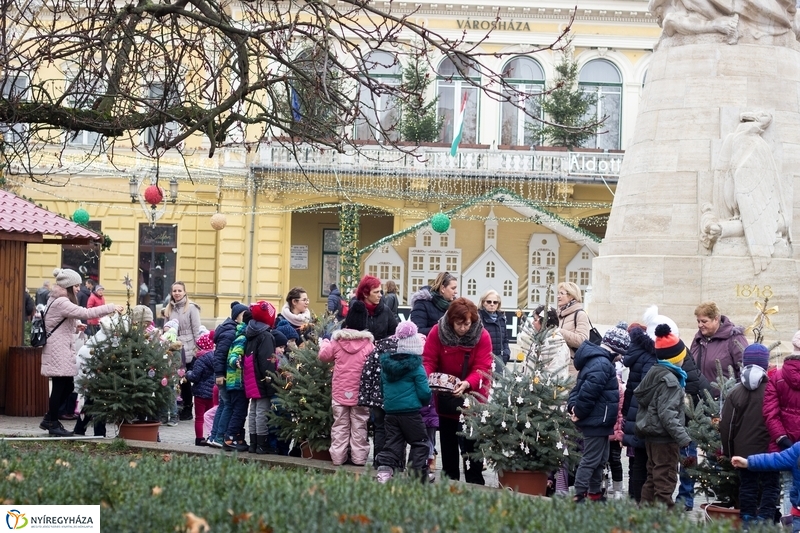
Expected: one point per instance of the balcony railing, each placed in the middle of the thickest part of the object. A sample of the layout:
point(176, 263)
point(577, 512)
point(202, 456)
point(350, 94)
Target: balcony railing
point(481, 161)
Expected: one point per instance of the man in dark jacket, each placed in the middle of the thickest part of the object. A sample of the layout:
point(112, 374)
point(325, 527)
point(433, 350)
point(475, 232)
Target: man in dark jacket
point(223, 337)
point(744, 432)
point(594, 405)
point(661, 419)
point(86, 290)
point(335, 302)
point(43, 293)
point(639, 358)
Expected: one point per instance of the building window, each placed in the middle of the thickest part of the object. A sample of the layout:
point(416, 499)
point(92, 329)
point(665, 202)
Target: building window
point(434, 263)
point(14, 85)
point(396, 276)
point(490, 269)
point(331, 246)
point(584, 282)
point(157, 262)
point(451, 89)
point(472, 288)
point(452, 264)
point(416, 284)
point(572, 276)
point(379, 113)
point(418, 263)
point(536, 278)
point(160, 96)
point(551, 259)
point(507, 288)
point(527, 79)
point(584, 255)
point(444, 241)
point(82, 94)
point(426, 239)
point(536, 297)
point(490, 234)
point(83, 258)
point(372, 270)
point(384, 272)
point(602, 78)
point(536, 259)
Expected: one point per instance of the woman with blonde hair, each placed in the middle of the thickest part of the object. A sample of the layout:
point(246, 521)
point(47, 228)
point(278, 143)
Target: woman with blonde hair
point(187, 313)
point(574, 323)
point(494, 321)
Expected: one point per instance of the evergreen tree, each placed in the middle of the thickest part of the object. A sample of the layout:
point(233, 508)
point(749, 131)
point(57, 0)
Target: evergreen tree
point(418, 122)
point(567, 108)
point(715, 475)
point(130, 374)
point(304, 394)
point(524, 425)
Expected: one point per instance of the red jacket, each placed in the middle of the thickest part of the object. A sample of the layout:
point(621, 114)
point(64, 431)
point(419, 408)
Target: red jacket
point(437, 357)
point(782, 403)
point(94, 301)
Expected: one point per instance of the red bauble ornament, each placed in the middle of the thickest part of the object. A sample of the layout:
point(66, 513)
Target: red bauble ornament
point(153, 195)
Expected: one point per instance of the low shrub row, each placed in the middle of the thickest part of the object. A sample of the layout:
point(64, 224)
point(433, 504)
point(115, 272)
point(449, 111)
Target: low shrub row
point(152, 492)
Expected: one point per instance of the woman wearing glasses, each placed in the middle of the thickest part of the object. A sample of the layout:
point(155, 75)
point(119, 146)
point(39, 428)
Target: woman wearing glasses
point(428, 305)
point(295, 312)
point(494, 321)
point(574, 322)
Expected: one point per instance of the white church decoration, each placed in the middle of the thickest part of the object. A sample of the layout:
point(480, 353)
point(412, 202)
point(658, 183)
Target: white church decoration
point(543, 260)
point(433, 253)
point(579, 269)
point(386, 264)
point(490, 271)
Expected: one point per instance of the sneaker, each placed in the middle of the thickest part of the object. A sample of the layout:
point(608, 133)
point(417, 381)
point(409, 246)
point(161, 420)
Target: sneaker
point(431, 477)
point(231, 445)
point(171, 422)
point(215, 443)
point(385, 473)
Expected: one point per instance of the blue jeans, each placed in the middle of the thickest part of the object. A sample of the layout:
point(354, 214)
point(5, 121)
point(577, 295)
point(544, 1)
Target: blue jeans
point(238, 408)
point(686, 484)
point(222, 416)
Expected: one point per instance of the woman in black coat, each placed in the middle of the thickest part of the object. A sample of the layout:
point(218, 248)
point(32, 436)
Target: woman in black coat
point(428, 305)
point(494, 321)
point(380, 320)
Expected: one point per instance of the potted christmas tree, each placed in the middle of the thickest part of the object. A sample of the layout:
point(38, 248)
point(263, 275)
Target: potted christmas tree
point(304, 390)
point(523, 430)
point(129, 375)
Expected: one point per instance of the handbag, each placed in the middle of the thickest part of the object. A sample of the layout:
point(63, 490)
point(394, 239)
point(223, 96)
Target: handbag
point(448, 403)
point(594, 335)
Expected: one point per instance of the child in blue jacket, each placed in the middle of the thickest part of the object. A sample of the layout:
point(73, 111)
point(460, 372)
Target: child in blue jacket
point(785, 460)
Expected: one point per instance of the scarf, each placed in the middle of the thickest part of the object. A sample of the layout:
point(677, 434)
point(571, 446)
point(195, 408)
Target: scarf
point(678, 371)
point(371, 307)
point(439, 301)
point(293, 319)
point(566, 305)
point(449, 337)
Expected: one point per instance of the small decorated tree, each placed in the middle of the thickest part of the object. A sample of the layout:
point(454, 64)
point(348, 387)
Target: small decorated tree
point(524, 424)
point(304, 394)
point(130, 374)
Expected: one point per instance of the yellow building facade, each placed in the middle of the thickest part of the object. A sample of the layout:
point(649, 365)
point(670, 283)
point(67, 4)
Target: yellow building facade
point(276, 216)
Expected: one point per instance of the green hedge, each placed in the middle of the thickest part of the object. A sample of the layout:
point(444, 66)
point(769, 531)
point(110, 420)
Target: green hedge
point(223, 491)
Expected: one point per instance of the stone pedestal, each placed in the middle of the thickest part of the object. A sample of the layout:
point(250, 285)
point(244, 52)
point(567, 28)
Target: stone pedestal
point(652, 253)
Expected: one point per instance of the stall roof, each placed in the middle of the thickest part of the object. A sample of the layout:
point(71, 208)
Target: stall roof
point(23, 220)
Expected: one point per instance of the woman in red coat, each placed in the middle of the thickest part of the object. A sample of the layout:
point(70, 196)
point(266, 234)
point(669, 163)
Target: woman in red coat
point(457, 339)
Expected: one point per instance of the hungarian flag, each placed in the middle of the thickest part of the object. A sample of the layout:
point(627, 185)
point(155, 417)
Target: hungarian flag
point(459, 126)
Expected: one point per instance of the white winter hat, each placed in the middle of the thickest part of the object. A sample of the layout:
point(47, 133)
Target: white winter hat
point(652, 319)
point(66, 277)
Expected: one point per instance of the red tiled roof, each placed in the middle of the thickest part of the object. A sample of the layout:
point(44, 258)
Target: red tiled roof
point(20, 216)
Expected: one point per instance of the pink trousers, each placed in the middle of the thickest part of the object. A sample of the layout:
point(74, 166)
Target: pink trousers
point(201, 405)
point(349, 432)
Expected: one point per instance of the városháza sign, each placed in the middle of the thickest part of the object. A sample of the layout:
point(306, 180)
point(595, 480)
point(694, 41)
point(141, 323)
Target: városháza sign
point(502, 25)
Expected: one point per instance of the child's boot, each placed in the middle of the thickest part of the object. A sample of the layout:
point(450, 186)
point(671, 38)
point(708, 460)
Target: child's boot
point(253, 443)
point(262, 447)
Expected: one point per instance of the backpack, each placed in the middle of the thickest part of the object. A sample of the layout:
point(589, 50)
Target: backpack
point(39, 334)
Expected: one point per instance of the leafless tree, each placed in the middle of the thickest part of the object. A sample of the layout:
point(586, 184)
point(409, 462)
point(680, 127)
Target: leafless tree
point(154, 73)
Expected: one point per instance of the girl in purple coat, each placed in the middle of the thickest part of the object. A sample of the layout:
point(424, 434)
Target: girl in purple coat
point(348, 348)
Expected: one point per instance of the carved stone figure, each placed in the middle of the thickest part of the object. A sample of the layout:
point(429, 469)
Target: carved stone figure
point(748, 199)
point(755, 18)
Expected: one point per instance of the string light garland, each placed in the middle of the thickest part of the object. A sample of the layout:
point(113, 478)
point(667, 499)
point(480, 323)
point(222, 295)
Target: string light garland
point(349, 256)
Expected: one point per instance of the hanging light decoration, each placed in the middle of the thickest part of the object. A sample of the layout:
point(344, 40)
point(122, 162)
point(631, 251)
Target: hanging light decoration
point(153, 195)
point(440, 222)
point(218, 221)
point(80, 216)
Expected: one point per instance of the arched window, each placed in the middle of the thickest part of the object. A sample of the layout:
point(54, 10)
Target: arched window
point(536, 258)
point(527, 77)
point(454, 79)
point(602, 78)
point(490, 269)
point(379, 113)
point(472, 287)
point(551, 258)
point(507, 288)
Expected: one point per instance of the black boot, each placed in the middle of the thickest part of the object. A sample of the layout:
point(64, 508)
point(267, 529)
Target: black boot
point(45, 424)
point(58, 430)
point(185, 413)
point(261, 449)
point(253, 443)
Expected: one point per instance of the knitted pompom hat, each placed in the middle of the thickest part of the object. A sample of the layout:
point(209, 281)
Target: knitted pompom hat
point(617, 338)
point(206, 342)
point(652, 319)
point(237, 309)
point(264, 312)
point(408, 340)
point(356, 316)
point(173, 324)
point(66, 277)
point(668, 345)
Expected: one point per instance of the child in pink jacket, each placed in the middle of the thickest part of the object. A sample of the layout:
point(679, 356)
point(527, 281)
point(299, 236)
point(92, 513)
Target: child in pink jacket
point(348, 348)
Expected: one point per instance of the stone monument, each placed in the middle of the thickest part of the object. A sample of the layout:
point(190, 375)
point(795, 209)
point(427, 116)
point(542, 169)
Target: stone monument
point(705, 201)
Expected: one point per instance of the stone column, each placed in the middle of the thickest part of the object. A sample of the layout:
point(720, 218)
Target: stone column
point(703, 209)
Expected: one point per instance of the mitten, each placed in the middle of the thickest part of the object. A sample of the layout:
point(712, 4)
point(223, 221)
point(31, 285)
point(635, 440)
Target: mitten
point(784, 443)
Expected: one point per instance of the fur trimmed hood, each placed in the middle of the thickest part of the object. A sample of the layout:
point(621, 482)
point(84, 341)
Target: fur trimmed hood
point(351, 334)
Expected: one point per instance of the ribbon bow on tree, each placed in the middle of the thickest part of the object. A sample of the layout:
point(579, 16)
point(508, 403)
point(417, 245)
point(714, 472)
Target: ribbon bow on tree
point(762, 320)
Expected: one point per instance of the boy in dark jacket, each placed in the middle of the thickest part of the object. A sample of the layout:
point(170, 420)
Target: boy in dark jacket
point(744, 433)
point(594, 405)
point(661, 420)
point(405, 392)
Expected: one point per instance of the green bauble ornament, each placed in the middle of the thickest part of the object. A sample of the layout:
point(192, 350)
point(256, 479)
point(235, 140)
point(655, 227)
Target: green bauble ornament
point(80, 216)
point(440, 222)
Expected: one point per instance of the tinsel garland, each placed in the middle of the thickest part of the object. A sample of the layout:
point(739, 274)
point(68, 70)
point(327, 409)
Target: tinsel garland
point(349, 255)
